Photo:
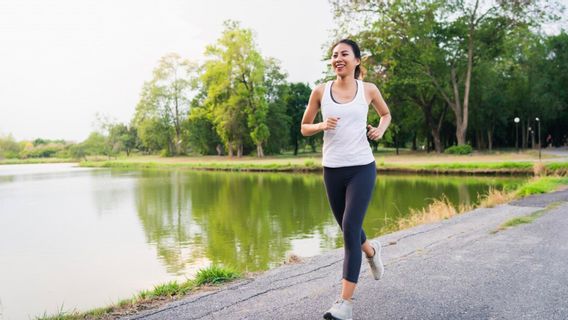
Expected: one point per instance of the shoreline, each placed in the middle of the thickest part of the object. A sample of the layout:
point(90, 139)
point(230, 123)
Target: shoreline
point(309, 166)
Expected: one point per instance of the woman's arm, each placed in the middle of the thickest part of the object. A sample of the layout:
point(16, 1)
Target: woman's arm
point(382, 109)
point(308, 127)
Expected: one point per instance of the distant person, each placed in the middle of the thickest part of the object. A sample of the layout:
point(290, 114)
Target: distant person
point(549, 141)
point(349, 169)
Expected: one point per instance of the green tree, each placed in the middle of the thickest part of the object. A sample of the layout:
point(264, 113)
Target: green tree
point(278, 119)
point(202, 135)
point(164, 103)
point(296, 100)
point(233, 78)
point(9, 148)
point(459, 29)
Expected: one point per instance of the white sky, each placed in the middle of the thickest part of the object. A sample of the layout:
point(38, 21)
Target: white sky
point(62, 61)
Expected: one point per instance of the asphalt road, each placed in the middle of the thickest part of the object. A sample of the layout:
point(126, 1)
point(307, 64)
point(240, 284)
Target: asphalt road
point(455, 269)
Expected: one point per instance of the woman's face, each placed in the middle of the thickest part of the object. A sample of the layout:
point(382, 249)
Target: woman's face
point(343, 60)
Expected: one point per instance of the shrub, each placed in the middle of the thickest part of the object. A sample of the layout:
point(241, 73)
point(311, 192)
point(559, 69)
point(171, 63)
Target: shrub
point(463, 149)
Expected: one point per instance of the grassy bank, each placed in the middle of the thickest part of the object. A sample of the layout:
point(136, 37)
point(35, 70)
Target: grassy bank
point(146, 299)
point(36, 160)
point(314, 165)
point(441, 209)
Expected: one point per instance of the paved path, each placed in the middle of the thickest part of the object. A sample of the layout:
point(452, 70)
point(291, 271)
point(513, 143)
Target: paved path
point(560, 152)
point(455, 269)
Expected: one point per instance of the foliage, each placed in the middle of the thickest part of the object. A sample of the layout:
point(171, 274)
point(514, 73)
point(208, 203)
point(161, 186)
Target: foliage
point(462, 149)
point(164, 105)
point(233, 79)
point(9, 148)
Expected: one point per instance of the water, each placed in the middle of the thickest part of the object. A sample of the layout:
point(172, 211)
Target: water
point(83, 238)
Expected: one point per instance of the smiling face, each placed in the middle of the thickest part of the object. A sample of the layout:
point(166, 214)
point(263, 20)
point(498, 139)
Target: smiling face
point(343, 60)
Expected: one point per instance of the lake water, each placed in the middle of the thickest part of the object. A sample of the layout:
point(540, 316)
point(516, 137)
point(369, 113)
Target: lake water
point(84, 238)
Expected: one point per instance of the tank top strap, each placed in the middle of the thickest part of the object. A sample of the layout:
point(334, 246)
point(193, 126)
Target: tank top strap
point(327, 93)
point(361, 92)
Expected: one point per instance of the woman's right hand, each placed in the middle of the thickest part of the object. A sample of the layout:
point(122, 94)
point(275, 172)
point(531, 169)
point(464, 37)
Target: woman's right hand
point(329, 124)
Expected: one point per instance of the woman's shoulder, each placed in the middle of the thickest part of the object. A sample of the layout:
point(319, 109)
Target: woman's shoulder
point(370, 86)
point(319, 89)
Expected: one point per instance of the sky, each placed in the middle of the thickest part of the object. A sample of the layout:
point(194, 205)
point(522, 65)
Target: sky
point(64, 61)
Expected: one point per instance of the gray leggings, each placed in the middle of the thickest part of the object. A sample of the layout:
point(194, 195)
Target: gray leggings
point(349, 191)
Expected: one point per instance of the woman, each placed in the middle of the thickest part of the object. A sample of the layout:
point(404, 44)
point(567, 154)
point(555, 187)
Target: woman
point(349, 165)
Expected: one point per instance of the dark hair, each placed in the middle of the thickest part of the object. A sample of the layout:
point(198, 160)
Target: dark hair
point(356, 51)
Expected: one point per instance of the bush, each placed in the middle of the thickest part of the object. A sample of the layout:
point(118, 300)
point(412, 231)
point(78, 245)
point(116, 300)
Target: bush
point(463, 149)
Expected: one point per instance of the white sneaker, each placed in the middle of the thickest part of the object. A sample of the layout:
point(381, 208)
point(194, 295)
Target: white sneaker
point(375, 262)
point(340, 310)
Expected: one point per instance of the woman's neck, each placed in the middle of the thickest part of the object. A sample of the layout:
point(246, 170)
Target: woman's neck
point(344, 82)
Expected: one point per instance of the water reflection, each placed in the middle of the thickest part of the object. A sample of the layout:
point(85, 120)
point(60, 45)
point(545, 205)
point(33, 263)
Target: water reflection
point(250, 221)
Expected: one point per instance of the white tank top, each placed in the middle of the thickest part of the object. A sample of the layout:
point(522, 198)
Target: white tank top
point(347, 144)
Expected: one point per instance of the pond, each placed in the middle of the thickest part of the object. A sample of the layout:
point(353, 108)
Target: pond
point(79, 238)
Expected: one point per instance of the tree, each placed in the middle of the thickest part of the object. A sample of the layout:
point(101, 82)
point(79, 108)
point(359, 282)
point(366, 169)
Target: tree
point(202, 135)
point(296, 100)
point(278, 119)
point(457, 28)
point(9, 148)
point(165, 101)
point(233, 79)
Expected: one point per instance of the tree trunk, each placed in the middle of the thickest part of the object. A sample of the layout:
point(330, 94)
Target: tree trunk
point(296, 147)
point(523, 136)
point(395, 141)
point(259, 151)
point(177, 127)
point(490, 138)
point(239, 150)
point(432, 125)
point(437, 140)
point(230, 149)
point(414, 146)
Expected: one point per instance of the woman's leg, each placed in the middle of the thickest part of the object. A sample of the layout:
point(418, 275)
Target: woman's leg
point(335, 180)
point(357, 196)
point(366, 247)
point(335, 186)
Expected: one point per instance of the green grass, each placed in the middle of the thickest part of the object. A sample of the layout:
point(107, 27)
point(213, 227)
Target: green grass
point(540, 185)
point(525, 219)
point(522, 165)
point(36, 160)
point(213, 275)
point(314, 165)
point(308, 165)
point(560, 168)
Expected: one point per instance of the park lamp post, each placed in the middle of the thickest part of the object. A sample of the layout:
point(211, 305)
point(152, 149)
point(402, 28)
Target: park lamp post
point(517, 120)
point(539, 142)
point(529, 136)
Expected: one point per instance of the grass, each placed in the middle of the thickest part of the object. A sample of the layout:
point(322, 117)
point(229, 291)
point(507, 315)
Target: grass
point(540, 185)
point(408, 163)
point(36, 160)
point(312, 165)
point(213, 275)
point(495, 197)
point(441, 209)
point(525, 219)
point(306, 166)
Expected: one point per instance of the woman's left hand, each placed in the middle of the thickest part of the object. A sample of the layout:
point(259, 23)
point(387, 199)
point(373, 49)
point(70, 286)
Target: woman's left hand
point(373, 133)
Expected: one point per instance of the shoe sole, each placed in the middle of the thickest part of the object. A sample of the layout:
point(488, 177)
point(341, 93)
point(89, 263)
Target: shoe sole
point(329, 316)
point(380, 261)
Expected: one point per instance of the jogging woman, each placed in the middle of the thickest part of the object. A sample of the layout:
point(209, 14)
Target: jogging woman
point(349, 168)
